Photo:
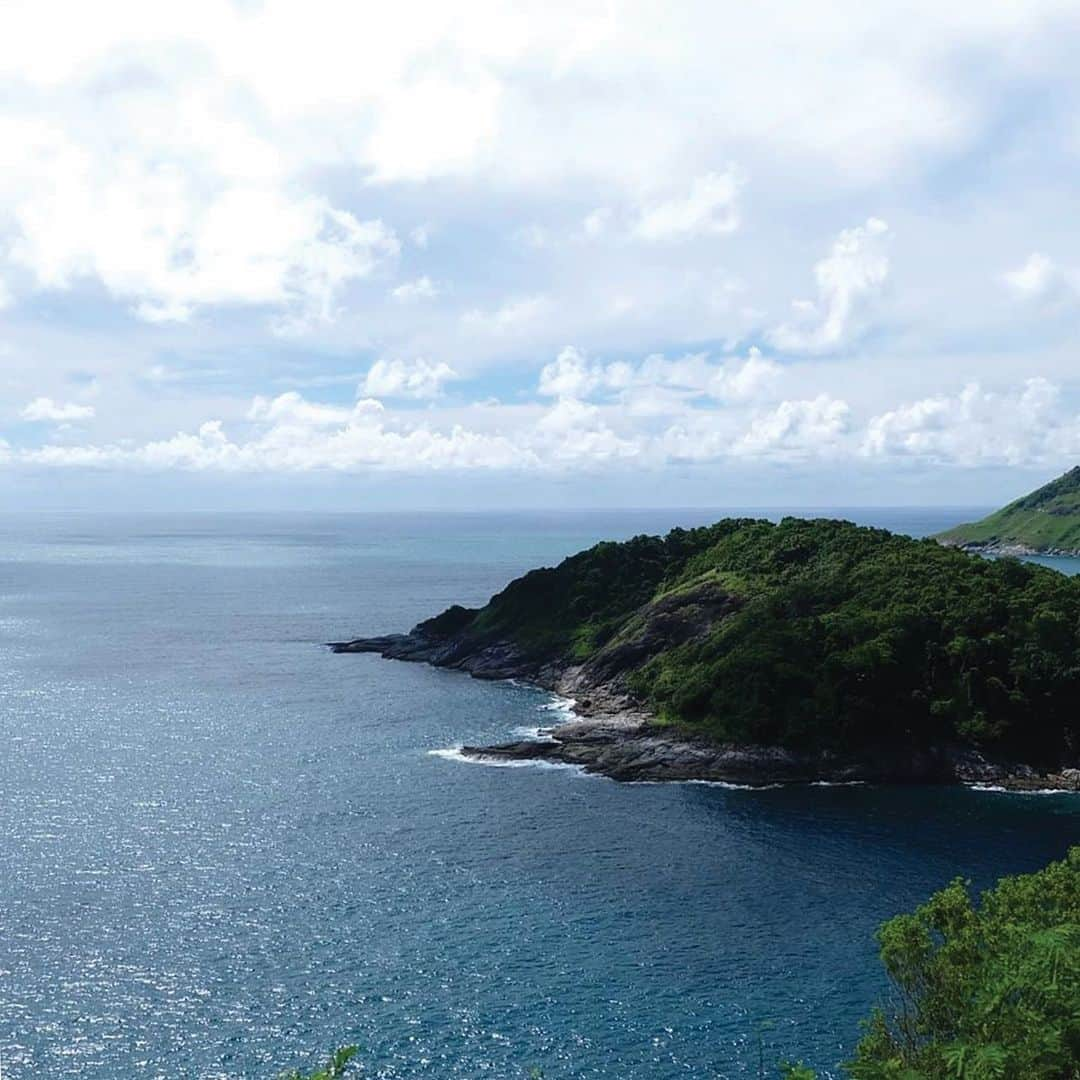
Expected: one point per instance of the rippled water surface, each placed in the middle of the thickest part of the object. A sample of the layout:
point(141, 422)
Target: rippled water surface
point(224, 850)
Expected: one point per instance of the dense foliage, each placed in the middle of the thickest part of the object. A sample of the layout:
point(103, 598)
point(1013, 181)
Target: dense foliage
point(580, 603)
point(334, 1069)
point(1047, 519)
point(836, 636)
point(982, 993)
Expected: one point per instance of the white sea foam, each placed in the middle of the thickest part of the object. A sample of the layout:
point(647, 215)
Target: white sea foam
point(564, 706)
point(996, 789)
point(450, 753)
point(728, 784)
point(536, 734)
point(454, 753)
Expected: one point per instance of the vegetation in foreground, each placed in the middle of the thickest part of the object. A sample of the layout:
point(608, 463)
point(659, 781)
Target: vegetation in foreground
point(811, 634)
point(980, 992)
point(334, 1069)
point(987, 992)
point(1047, 519)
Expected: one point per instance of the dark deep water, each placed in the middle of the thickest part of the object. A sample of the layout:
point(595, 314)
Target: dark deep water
point(224, 851)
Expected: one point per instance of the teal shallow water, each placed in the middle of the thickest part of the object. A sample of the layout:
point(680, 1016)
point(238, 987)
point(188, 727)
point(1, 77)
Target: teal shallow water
point(224, 850)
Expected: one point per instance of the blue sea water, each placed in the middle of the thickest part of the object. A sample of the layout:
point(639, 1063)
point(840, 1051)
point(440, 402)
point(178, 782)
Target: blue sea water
point(225, 851)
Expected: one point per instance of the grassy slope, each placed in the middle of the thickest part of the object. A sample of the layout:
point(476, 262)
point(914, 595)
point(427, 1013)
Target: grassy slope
point(842, 636)
point(1047, 519)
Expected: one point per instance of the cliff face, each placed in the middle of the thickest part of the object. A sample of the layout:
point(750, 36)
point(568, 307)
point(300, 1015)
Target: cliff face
point(806, 650)
point(1046, 521)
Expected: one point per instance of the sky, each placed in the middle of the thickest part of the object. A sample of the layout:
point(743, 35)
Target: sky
point(299, 255)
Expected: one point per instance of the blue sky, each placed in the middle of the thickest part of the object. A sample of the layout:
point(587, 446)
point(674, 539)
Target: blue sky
point(321, 254)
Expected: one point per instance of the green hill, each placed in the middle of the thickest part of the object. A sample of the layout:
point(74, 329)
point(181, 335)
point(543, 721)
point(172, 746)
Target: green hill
point(803, 634)
point(1046, 521)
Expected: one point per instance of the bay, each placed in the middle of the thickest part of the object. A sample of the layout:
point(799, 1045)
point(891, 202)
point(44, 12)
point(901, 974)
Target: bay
point(224, 850)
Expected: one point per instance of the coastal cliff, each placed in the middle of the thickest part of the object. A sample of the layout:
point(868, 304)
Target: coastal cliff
point(809, 651)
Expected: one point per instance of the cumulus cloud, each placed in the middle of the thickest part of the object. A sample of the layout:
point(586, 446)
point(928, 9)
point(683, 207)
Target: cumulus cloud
point(573, 374)
point(1037, 276)
point(797, 429)
point(292, 409)
point(1040, 279)
point(423, 288)
point(794, 430)
point(978, 426)
point(235, 165)
point(575, 431)
point(431, 91)
point(749, 381)
point(153, 236)
point(407, 378)
point(569, 375)
point(709, 208)
point(44, 408)
point(294, 435)
point(1021, 426)
point(848, 280)
point(220, 130)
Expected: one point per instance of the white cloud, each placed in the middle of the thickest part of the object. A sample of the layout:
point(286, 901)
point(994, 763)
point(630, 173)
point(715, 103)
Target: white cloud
point(1023, 426)
point(596, 222)
point(291, 408)
point(1038, 275)
point(1041, 279)
point(236, 165)
point(434, 127)
point(44, 408)
point(848, 280)
point(797, 429)
point(429, 91)
point(153, 235)
point(403, 378)
point(423, 288)
point(569, 375)
point(572, 374)
point(978, 426)
point(509, 318)
point(572, 431)
point(755, 376)
point(708, 209)
point(299, 436)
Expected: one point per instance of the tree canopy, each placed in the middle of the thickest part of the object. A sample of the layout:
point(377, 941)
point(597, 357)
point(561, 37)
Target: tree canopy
point(835, 636)
point(980, 992)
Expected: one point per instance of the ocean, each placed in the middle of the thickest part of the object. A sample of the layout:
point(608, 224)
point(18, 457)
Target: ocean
point(225, 851)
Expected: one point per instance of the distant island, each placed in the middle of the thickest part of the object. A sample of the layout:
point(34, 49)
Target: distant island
point(805, 651)
point(1045, 522)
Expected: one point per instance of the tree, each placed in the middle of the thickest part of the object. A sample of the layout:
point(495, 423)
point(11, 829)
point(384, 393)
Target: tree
point(334, 1069)
point(987, 992)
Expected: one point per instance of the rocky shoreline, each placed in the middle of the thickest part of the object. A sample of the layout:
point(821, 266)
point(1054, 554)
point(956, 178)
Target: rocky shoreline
point(614, 736)
point(1015, 551)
